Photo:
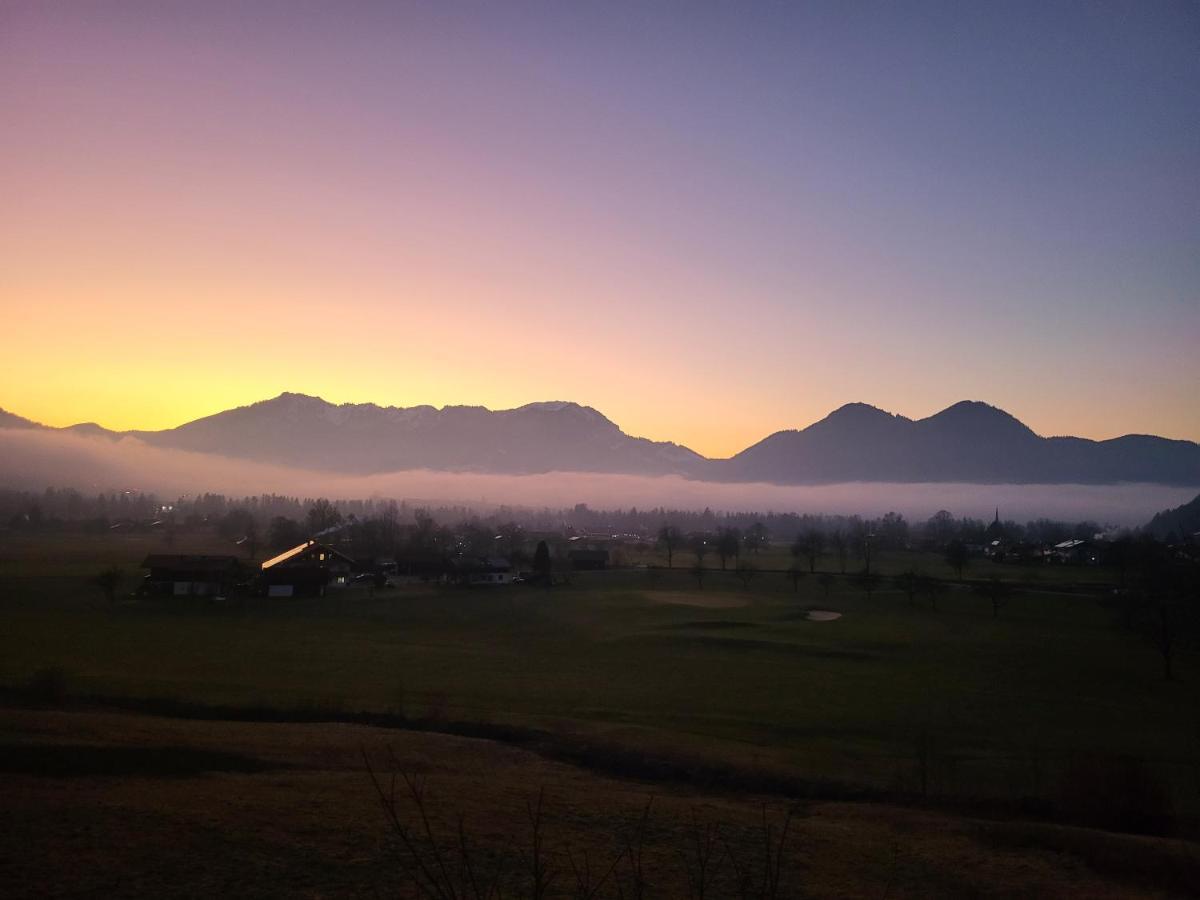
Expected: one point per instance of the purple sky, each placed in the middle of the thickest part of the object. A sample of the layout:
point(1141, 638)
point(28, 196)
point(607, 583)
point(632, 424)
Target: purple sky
point(709, 221)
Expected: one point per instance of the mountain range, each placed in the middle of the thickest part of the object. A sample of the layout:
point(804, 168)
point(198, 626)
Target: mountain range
point(967, 442)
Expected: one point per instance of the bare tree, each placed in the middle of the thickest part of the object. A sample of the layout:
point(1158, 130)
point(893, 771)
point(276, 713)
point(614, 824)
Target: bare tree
point(745, 573)
point(795, 574)
point(421, 855)
point(910, 583)
point(765, 883)
point(813, 545)
point(108, 580)
point(1161, 632)
point(826, 581)
point(251, 539)
point(542, 564)
point(729, 545)
point(700, 858)
point(668, 539)
point(635, 841)
point(322, 515)
point(933, 588)
point(868, 581)
point(957, 557)
point(1166, 611)
point(756, 537)
point(841, 548)
point(997, 591)
point(540, 876)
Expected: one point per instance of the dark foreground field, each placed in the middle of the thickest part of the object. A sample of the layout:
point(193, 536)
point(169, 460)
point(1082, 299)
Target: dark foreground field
point(929, 748)
point(119, 805)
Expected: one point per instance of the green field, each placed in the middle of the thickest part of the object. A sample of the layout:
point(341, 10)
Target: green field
point(952, 703)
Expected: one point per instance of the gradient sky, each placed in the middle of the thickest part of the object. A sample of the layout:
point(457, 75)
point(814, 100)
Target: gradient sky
point(709, 221)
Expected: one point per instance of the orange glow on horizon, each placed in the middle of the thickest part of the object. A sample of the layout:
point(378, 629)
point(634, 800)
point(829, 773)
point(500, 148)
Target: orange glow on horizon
point(209, 206)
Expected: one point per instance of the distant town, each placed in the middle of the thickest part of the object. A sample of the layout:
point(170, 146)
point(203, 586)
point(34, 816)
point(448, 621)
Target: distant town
point(280, 546)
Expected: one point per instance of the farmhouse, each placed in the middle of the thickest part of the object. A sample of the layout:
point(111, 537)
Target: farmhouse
point(306, 569)
point(421, 568)
point(1075, 552)
point(489, 570)
point(588, 559)
point(183, 575)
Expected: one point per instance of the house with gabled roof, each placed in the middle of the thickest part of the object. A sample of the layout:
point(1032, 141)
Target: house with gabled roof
point(483, 570)
point(307, 569)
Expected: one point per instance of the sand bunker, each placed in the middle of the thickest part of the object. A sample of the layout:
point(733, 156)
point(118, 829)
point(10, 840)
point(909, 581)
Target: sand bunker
point(822, 615)
point(714, 600)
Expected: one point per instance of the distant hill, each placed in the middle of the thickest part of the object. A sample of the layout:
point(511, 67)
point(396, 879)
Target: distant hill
point(967, 442)
point(296, 429)
point(1178, 522)
point(9, 420)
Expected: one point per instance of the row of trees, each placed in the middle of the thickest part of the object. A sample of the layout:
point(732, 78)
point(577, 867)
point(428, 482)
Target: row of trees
point(808, 547)
point(67, 507)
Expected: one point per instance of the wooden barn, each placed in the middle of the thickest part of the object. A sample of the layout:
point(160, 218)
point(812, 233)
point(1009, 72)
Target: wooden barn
point(190, 575)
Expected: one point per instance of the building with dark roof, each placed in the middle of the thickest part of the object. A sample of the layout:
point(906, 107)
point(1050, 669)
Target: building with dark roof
point(190, 575)
point(582, 560)
point(490, 570)
point(307, 569)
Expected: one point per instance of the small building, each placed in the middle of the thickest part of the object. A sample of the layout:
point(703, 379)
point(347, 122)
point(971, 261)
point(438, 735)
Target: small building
point(421, 568)
point(190, 575)
point(491, 570)
point(384, 565)
point(1075, 552)
point(584, 560)
point(306, 570)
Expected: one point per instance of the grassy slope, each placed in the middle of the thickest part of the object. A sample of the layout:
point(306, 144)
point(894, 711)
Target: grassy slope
point(274, 809)
point(723, 673)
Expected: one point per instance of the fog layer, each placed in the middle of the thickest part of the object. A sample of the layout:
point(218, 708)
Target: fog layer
point(33, 460)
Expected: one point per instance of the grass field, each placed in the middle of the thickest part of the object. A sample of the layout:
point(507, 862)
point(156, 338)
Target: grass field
point(1049, 710)
point(240, 809)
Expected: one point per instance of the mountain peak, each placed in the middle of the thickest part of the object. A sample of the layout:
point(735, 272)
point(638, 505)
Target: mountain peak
point(294, 398)
point(860, 411)
point(568, 407)
point(857, 418)
point(977, 415)
point(552, 405)
point(971, 407)
point(969, 441)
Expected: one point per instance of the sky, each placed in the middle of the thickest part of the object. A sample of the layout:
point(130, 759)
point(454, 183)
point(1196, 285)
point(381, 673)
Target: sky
point(710, 221)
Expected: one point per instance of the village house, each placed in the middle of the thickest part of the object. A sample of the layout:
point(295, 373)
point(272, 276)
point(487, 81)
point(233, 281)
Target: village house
point(491, 570)
point(421, 568)
point(587, 559)
point(307, 569)
point(184, 575)
point(1075, 552)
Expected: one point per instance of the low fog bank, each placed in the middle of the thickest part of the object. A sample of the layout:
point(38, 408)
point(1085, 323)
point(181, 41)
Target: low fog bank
point(33, 460)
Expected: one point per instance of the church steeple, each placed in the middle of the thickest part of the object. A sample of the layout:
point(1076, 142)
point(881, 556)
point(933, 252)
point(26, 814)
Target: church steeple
point(995, 531)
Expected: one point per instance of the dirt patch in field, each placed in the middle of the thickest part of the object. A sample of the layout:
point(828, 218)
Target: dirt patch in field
point(715, 600)
point(822, 615)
